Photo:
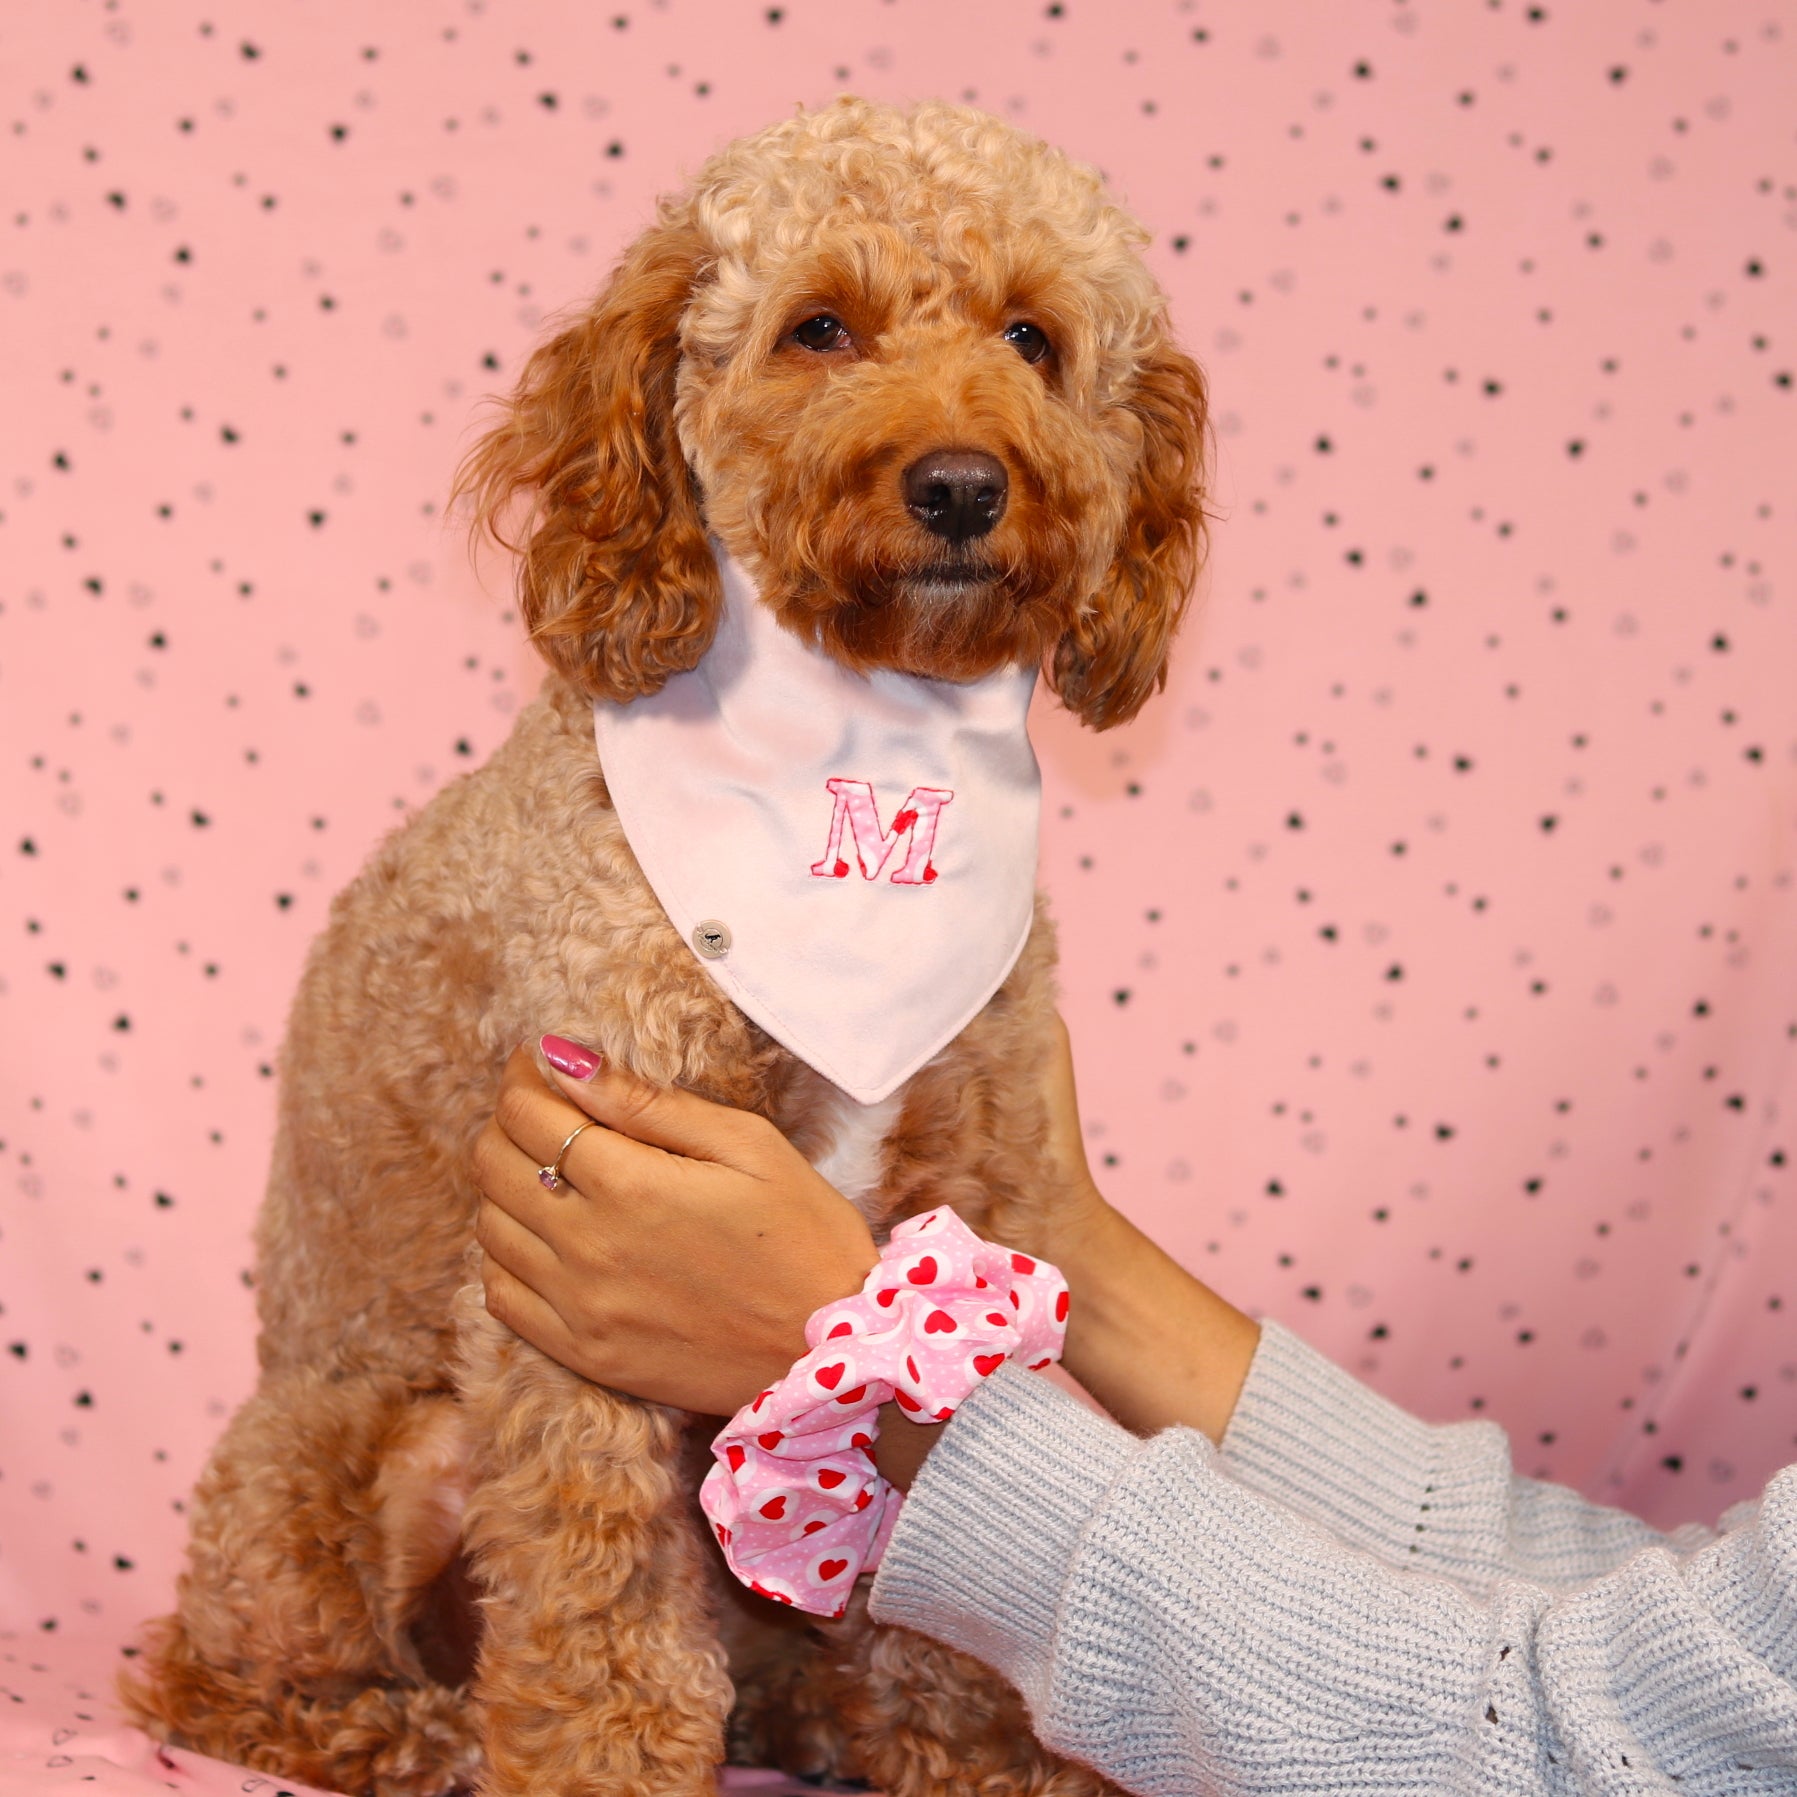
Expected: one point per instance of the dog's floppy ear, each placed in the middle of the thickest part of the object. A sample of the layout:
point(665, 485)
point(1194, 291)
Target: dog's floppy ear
point(1114, 655)
point(615, 578)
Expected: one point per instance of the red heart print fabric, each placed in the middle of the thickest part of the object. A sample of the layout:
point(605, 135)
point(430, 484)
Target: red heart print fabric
point(793, 1496)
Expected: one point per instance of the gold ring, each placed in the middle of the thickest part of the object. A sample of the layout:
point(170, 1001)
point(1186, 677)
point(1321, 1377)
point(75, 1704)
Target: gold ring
point(550, 1177)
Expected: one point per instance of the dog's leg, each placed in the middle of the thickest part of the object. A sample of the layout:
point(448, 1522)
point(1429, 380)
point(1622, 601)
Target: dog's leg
point(786, 1712)
point(600, 1667)
point(294, 1650)
point(927, 1721)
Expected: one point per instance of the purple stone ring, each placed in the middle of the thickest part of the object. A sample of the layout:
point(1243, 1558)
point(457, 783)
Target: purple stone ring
point(550, 1177)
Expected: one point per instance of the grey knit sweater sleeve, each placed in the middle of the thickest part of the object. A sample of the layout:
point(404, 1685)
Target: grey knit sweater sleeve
point(1255, 1621)
point(1436, 1497)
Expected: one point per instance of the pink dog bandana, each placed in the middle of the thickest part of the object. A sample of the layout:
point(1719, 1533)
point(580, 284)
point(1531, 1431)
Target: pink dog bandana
point(852, 857)
point(794, 1498)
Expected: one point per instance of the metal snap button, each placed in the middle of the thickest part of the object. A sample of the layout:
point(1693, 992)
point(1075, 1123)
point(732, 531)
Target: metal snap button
point(712, 939)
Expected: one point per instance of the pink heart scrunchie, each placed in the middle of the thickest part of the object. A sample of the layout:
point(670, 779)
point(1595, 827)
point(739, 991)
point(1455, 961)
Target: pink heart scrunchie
point(794, 1498)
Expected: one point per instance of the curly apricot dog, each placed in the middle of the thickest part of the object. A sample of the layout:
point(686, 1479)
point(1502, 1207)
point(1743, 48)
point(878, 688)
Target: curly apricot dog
point(424, 1556)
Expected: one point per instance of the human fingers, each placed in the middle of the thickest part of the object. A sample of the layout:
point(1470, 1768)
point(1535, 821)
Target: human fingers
point(519, 1250)
point(759, 1212)
point(664, 1117)
point(647, 1363)
point(506, 1176)
point(546, 1133)
point(512, 1301)
point(691, 1278)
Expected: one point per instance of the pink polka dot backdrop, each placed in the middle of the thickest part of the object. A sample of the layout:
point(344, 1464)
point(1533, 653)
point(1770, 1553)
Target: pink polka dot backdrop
point(1428, 945)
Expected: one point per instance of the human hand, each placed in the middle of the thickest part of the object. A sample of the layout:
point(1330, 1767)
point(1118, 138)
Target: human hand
point(684, 1250)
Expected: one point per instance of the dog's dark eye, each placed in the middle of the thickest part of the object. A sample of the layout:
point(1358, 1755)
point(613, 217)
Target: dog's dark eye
point(1029, 342)
point(821, 333)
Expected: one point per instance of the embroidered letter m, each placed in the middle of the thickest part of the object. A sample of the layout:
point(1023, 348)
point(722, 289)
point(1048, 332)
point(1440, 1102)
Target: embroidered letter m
point(855, 812)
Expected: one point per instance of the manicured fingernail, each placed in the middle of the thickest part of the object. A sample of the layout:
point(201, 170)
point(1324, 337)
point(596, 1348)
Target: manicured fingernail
point(570, 1058)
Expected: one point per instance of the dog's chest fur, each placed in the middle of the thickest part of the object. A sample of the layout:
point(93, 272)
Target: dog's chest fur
point(510, 907)
point(854, 1160)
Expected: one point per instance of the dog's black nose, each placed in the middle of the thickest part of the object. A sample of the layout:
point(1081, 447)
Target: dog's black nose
point(957, 493)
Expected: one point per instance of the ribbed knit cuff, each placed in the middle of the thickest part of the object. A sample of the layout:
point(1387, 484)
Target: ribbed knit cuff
point(986, 1537)
point(1305, 1433)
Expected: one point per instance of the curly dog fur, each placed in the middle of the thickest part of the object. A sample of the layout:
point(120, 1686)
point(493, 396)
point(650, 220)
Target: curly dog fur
point(424, 1556)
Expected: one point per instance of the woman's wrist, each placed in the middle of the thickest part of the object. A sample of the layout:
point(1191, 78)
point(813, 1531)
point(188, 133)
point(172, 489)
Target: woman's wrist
point(902, 1445)
point(795, 1495)
point(1078, 1224)
point(1154, 1345)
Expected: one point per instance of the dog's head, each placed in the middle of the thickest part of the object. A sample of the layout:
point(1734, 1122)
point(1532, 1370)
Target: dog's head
point(909, 367)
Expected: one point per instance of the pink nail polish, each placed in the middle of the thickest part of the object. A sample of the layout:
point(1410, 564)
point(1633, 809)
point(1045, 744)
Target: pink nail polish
point(570, 1058)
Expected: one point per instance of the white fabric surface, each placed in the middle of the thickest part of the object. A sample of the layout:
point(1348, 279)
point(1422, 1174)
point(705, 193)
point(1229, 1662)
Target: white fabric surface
point(869, 841)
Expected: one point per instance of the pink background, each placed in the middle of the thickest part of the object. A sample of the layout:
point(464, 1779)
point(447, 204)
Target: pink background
point(1428, 946)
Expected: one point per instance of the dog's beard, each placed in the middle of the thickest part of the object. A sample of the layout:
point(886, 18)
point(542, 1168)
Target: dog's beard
point(943, 620)
point(872, 588)
point(944, 581)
